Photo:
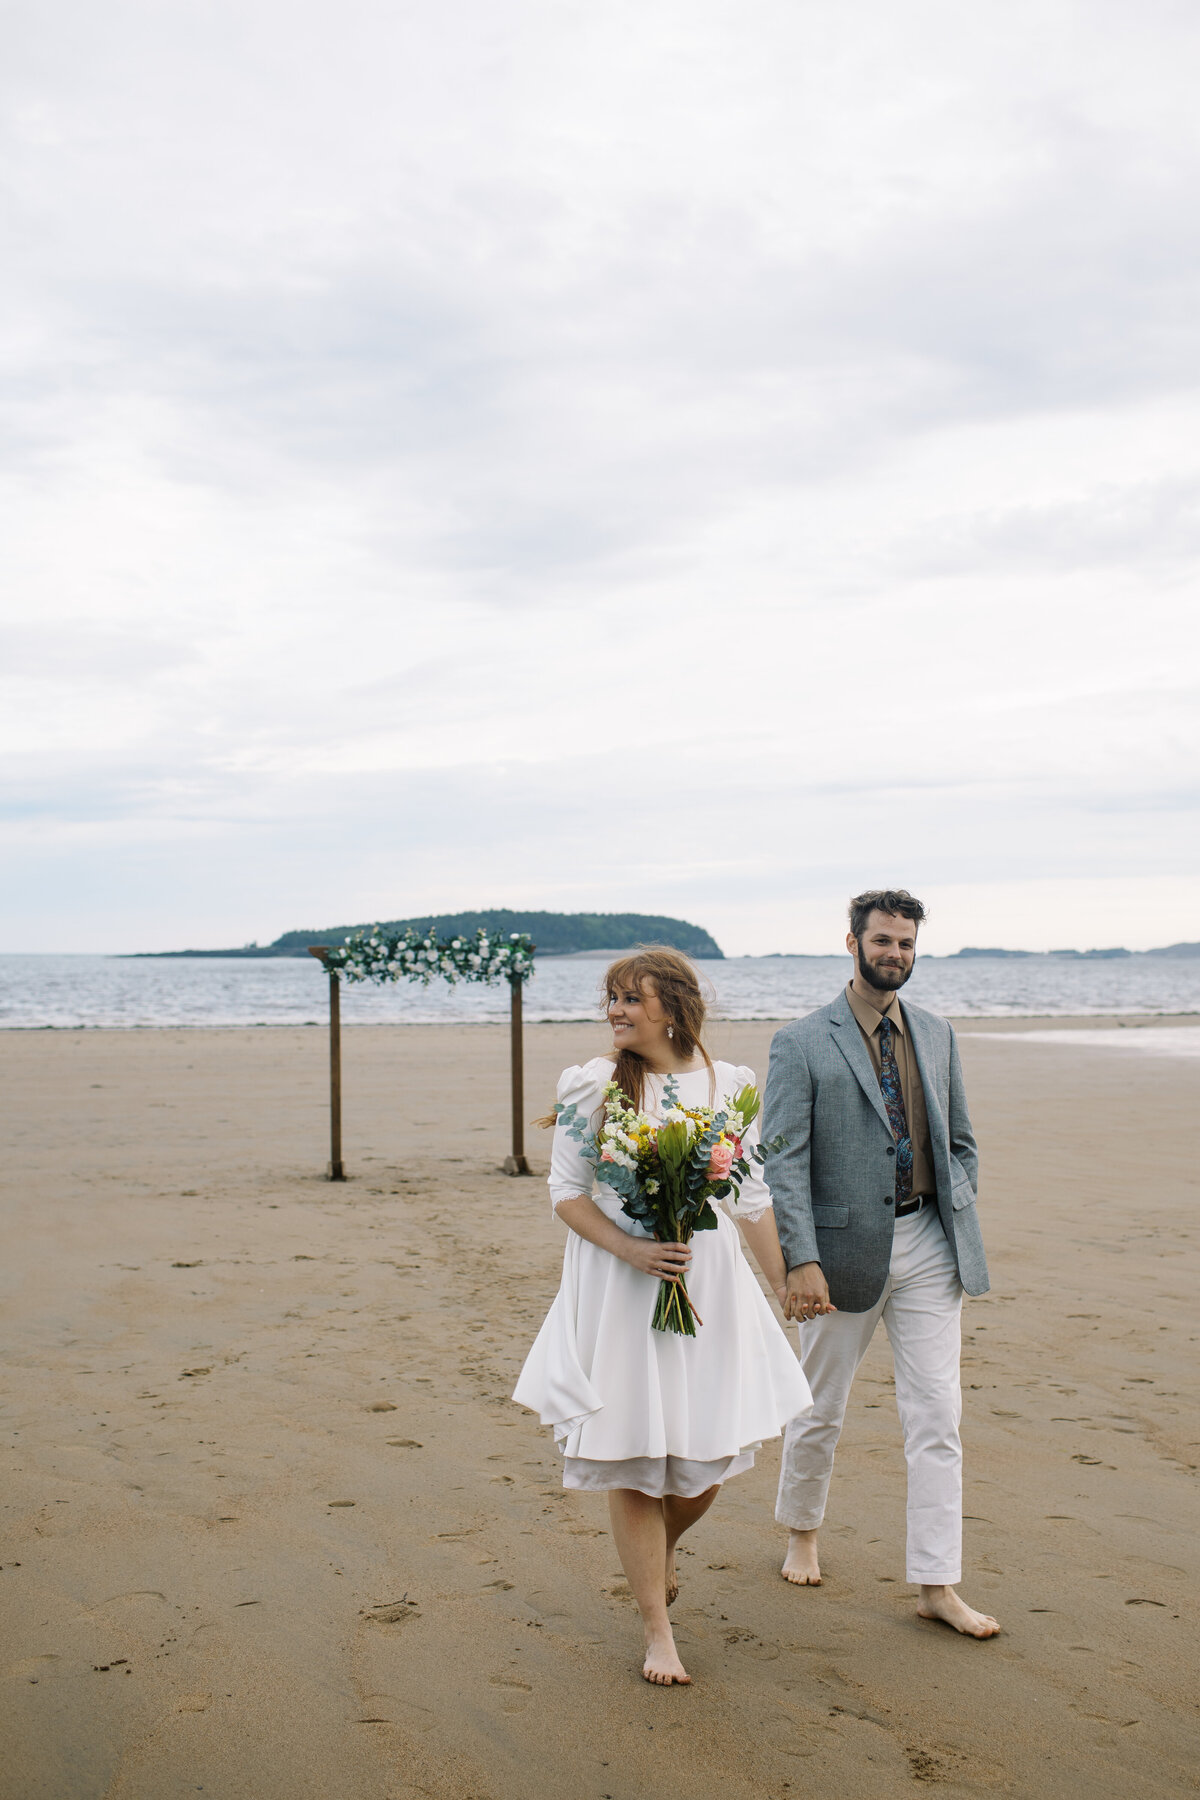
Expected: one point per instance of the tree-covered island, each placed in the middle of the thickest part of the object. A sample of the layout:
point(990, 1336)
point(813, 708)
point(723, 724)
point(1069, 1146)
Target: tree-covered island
point(555, 934)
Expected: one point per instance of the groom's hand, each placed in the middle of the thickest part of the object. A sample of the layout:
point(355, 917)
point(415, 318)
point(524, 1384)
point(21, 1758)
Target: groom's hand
point(807, 1293)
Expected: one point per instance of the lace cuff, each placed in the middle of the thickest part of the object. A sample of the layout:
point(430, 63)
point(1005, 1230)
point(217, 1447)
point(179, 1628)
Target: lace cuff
point(560, 1199)
point(752, 1213)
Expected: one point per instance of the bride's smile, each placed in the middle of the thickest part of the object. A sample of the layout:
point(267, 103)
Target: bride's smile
point(639, 1022)
point(633, 1024)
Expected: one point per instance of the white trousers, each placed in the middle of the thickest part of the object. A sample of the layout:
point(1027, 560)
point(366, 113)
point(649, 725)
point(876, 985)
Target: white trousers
point(921, 1306)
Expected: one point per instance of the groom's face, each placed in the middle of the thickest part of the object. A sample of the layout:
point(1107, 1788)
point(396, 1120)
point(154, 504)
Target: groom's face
point(886, 951)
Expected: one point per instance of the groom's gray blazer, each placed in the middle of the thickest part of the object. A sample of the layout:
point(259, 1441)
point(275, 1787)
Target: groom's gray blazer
point(834, 1182)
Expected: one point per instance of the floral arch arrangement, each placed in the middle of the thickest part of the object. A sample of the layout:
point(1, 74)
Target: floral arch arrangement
point(379, 955)
point(376, 954)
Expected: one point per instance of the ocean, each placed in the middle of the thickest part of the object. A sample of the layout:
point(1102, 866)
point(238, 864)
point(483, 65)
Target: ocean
point(68, 992)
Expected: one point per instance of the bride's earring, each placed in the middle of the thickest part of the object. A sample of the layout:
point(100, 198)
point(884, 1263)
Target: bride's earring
point(670, 1031)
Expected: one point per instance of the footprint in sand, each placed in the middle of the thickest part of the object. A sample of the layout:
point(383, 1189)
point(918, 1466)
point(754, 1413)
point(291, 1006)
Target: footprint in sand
point(751, 1642)
point(517, 1691)
point(35, 1668)
point(923, 1766)
point(393, 1612)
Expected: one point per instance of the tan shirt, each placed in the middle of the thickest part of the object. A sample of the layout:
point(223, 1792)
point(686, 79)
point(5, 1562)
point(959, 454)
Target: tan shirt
point(869, 1021)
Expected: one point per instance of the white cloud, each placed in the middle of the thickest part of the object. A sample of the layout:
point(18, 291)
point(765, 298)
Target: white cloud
point(597, 457)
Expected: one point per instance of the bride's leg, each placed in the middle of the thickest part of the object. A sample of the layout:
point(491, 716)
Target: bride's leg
point(640, 1534)
point(679, 1515)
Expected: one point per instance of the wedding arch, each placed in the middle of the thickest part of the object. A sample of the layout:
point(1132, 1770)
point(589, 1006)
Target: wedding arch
point(378, 955)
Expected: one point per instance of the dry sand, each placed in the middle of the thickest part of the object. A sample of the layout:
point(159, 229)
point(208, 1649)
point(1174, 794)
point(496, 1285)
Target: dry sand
point(273, 1529)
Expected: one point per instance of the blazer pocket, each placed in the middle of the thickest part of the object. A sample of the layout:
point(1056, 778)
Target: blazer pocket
point(961, 1196)
point(825, 1216)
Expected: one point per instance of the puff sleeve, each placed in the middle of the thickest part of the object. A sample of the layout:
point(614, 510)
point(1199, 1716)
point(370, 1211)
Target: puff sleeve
point(754, 1198)
point(582, 1087)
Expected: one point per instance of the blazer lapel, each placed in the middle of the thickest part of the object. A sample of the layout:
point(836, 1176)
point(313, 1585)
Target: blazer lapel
point(848, 1038)
point(925, 1053)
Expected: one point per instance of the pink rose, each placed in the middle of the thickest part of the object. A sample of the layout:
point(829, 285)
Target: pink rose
point(720, 1162)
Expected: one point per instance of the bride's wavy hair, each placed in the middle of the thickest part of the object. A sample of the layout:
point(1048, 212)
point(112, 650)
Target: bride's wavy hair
point(669, 977)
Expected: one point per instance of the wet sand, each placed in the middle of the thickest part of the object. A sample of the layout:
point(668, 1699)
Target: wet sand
point(272, 1527)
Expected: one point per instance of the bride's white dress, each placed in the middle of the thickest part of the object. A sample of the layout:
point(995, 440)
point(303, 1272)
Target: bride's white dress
point(637, 1408)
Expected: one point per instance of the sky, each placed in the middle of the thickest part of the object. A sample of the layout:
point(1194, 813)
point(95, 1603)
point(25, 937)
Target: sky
point(695, 458)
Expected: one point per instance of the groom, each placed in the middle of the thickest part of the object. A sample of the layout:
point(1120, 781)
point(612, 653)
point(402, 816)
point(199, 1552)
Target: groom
point(875, 1202)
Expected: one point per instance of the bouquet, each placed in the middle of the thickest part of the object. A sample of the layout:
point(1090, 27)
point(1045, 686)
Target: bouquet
point(669, 1174)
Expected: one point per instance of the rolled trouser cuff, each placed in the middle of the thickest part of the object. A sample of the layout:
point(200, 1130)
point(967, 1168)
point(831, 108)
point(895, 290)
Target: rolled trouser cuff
point(795, 1520)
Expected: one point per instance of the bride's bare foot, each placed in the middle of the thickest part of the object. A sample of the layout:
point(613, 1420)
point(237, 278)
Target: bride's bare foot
point(944, 1604)
point(662, 1664)
point(800, 1564)
point(672, 1579)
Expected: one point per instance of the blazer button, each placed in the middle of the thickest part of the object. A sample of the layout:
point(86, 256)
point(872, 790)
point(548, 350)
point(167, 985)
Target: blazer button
point(891, 1150)
point(887, 1200)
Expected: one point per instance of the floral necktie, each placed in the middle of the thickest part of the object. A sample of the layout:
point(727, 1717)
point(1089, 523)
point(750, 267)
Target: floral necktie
point(893, 1100)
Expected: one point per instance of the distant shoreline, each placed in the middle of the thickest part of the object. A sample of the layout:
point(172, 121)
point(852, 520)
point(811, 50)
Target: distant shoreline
point(969, 953)
point(976, 1022)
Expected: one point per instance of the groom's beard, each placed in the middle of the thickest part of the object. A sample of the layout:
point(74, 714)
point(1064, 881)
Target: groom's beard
point(884, 981)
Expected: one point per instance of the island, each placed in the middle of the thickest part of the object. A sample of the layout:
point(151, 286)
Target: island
point(1117, 950)
point(555, 934)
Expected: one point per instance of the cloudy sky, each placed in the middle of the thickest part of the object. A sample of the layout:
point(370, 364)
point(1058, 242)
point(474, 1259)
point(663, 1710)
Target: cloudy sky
point(700, 458)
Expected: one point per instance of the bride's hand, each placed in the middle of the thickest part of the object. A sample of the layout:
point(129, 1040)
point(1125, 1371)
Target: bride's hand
point(669, 1261)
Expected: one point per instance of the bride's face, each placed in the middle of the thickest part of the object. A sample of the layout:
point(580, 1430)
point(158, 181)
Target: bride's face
point(638, 1021)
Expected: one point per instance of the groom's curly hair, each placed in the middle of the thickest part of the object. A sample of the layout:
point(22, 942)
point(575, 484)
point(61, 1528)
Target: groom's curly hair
point(896, 901)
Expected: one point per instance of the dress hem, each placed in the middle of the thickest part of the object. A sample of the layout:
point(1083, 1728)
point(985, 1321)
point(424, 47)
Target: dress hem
point(659, 1477)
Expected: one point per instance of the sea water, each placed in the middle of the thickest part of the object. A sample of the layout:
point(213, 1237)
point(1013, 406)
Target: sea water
point(73, 991)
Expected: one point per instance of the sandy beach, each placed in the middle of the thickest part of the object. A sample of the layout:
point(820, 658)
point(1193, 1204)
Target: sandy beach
point(274, 1531)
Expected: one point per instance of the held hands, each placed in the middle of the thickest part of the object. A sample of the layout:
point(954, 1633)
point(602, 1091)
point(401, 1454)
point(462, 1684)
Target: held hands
point(807, 1293)
point(669, 1261)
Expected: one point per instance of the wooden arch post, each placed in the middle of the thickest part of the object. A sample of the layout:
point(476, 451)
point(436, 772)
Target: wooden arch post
point(516, 1163)
point(337, 1168)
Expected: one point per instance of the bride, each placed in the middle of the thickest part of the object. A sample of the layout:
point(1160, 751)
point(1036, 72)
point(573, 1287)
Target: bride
point(657, 1421)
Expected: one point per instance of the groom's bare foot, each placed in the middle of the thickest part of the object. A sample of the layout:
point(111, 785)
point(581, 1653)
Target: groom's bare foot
point(800, 1564)
point(944, 1604)
point(672, 1579)
point(662, 1665)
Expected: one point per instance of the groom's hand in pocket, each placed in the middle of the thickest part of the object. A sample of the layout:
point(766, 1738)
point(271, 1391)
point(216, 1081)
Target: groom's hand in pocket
point(807, 1293)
